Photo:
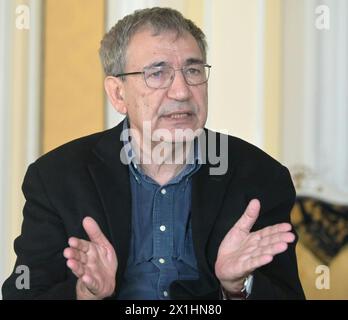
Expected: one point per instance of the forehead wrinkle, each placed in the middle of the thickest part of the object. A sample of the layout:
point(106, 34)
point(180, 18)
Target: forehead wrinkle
point(169, 49)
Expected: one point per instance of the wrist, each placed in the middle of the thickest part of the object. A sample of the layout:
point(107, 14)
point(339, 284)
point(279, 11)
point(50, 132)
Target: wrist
point(240, 289)
point(233, 286)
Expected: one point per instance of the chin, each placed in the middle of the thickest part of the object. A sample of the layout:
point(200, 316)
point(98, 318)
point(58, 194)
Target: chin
point(177, 134)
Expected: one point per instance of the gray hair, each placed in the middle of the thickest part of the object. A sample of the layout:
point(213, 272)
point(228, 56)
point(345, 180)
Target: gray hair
point(114, 44)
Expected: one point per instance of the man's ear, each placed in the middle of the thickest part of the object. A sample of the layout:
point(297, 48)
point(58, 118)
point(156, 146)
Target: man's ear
point(114, 88)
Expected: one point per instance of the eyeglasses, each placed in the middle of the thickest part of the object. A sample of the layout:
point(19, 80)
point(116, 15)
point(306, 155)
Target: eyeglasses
point(160, 77)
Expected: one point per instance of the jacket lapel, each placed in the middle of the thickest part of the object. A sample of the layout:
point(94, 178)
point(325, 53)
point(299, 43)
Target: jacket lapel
point(208, 193)
point(111, 178)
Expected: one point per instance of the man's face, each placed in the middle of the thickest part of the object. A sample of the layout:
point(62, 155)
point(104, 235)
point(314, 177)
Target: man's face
point(180, 106)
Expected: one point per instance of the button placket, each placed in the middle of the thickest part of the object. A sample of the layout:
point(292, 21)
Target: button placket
point(163, 235)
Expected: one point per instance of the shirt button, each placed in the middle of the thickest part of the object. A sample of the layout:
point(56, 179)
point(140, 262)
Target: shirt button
point(161, 260)
point(163, 228)
point(163, 191)
point(165, 293)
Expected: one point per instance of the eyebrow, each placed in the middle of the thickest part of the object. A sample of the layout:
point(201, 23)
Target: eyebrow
point(157, 64)
point(165, 63)
point(193, 61)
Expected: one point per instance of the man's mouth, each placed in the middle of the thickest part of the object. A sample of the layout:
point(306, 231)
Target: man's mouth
point(178, 115)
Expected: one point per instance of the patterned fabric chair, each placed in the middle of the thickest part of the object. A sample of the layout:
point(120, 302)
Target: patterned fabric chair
point(320, 217)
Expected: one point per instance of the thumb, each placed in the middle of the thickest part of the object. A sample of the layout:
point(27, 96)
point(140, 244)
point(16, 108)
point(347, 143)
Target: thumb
point(249, 217)
point(94, 233)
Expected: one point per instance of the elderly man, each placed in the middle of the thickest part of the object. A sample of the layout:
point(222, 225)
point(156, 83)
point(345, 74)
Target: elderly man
point(112, 215)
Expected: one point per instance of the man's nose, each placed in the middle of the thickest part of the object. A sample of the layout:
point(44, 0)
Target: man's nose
point(179, 89)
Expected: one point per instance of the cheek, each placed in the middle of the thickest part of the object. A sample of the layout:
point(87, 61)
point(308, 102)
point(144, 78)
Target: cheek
point(151, 103)
point(202, 103)
point(201, 99)
point(145, 108)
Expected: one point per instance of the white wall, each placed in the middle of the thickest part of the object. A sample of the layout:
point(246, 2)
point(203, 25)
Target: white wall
point(235, 31)
point(5, 58)
point(315, 99)
point(20, 87)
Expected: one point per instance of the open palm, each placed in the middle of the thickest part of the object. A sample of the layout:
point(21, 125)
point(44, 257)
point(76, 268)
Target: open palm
point(242, 251)
point(93, 262)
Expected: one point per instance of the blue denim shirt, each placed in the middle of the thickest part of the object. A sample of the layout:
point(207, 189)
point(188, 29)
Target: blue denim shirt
point(161, 243)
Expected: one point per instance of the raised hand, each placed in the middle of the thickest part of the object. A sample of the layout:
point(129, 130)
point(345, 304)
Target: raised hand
point(93, 262)
point(242, 251)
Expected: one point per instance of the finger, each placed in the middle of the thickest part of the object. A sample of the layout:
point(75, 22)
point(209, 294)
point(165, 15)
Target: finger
point(76, 267)
point(272, 249)
point(79, 244)
point(94, 233)
point(280, 227)
point(76, 254)
point(249, 217)
point(259, 257)
point(257, 262)
point(287, 237)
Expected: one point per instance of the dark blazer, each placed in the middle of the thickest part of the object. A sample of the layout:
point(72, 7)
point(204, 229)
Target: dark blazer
point(85, 177)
